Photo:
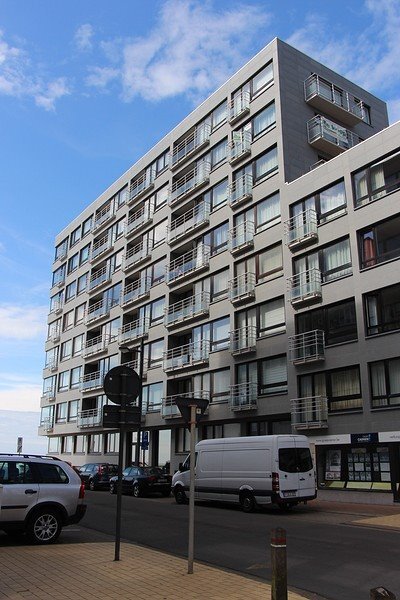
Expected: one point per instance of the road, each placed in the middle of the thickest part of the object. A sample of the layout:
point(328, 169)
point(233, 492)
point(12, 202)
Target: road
point(329, 554)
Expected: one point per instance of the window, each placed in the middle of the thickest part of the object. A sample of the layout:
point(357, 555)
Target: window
point(80, 444)
point(152, 396)
point(158, 233)
point(218, 153)
point(80, 313)
point(156, 272)
point(68, 320)
point(382, 309)
point(162, 162)
point(61, 412)
point(377, 181)
point(267, 213)
point(51, 358)
point(182, 440)
point(385, 383)
point(59, 276)
point(157, 311)
point(73, 263)
point(262, 122)
point(217, 239)
point(155, 353)
point(327, 204)
point(56, 302)
point(265, 164)
point(262, 79)
point(121, 197)
point(75, 237)
point(337, 321)
point(220, 385)
point(341, 387)
point(73, 407)
point(212, 432)
point(67, 444)
point(70, 291)
point(379, 243)
point(273, 375)
point(63, 381)
point(217, 195)
point(54, 445)
point(112, 295)
point(94, 443)
point(82, 283)
point(77, 345)
point(220, 334)
point(84, 254)
point(295, 460)
point(112, 443)
point(272, 317)
point(161, 197)
point(87, 226)
point(219, 285)
point(49, 385)
point(269, 263)
point(75, 377)
point(66, 350)
point(333, 261)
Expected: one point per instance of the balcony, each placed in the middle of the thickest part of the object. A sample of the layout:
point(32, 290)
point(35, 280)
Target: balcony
point(305, 288)
point(302, 230)
point(169, 409)
point(332, 100)
point(189, 355)
point(90, 418)
point(243, 340)
point(98, 311)
point(327, 136)
point(189, 183)
point(190, 221)
point(52, 366)
point(187, 310)
point(242, 288)
point(58, 281)
point(309, 413)
point(307, 347)
point(139, 219)
point(49, 394)
point(136, 255)
point(241, 237)
point(132, 332)
point(135, 291)
point(99, 278)
point(141, 185)
point(61, 252)
point(240, 146)
point(240, 190)
point(92, 381)
point(54, 335)
point(47, 424)
point(192, 262)
point(239, 107)
point(102, 246)
point(56, 307)
point(105, 215)
point(243, 396)
point(96, 345)
point(195, 141)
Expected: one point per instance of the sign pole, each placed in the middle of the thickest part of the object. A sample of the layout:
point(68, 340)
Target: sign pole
point(192, 483)
point(122, 411)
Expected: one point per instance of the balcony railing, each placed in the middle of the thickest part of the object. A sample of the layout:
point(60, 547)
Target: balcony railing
point(187, 309)
point(136, 255)
point(196, 140)
point(186, 185)
point(51, 365)
point(307, 347)
point(239, 106)
point(92, 381)
point(56, 307)
point(309, 413)
point(243, 396)
point(241, 237)
point(47, 424)
point(90, 418)
point(103, 216)
point(189, 263)
point(242, 288)
point(99, 278)
point(61, 252)
point(96, 345)
point(305, 287)
point(327, 136)
point(331, 99)
point(54, 334)
point(240, 190)
point(189, 221)
point(243, 340)
point(131, 332)
point(139, 218)
point(102, 246)
point(59, 281)
point(97, 311)
point(135, 291)
point(49, 394)
point(302, 229)
point(188, 355)
point(240, 146)
point(169, 408)
point(141, 185)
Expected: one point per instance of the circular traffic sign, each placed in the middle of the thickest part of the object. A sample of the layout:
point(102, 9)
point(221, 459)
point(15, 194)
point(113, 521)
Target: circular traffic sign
point(122, 385)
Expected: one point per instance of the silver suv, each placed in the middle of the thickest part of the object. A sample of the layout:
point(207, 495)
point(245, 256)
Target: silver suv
point(38, 496)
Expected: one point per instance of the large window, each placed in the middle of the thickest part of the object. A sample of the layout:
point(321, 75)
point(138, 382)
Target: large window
point(269, 263)
point(61, 412)
point(341, 387)
point(217, 195)
point(216, 332)
point(273, 375)
point(152, 395)
point(264, 214)
point(382, 309)
point(262, 79)
point(268, 318)
point(220, 385)
point(94, 444)
point(328, 203)
point(217, 238)
point(112, 443)
point(337, 321)
point(263, 166)
point(333, 261)
point(385, 383)
point(379, 243)
point(377, 180)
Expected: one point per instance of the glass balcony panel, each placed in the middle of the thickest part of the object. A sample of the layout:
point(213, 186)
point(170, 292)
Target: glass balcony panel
point(169, 408)
point(136, 255)
point(187, 309)
point(307, 347)
point(191, 143)
point(141, 185)
point(333, 100)
point(302, 229)
point(139, 218)
point(135, 290)
point(240, 146)
point(189, 182)
point(190, 262)
point(90, 418)
point(241, 236)
point(240, 190)
point(243, 340)
point(305, 286)
point(98, 311)
point(189, 221)
point(242, 287)
point(239, 106)
point(103, 216)
point(92, 381)
point(243, 396)
point(133, 331)
point(96, 345)
point(186, 356)
point(99, 277)
point(102, 246)
point(309, 413)
point(329, 137)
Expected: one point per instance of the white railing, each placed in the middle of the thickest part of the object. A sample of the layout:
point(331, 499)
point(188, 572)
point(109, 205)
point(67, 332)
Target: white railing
point(98, 311)
point(194, 141)
point(316, 86)
point(136, 255)
point(99, 277)
point(104, 215)
point(135, 290)
point(189, 308)
point(139, 218)
point(240, 146)
point(241, 236)
point(90, 418)
point(186, 356)
point(59, 281)
point(305, 286)
point(54, 334)
point(49, 394)
point(51, 365)
point(169, 408)
point(56, 307)
point(142, 184)
point(242, 287)
point(92, 381)
point(243, 340)
point(47, 424)
point(189, 182)
point(61, 252)
point(189, 221)
point(190, 262)
point(322, 128)
point(239, 106)
point(243, 396)
point(309, 413)
point(302, 228)
point(96, 345)
point(133, 331)
point(101, 246)
point(307, 347)
point(240, 190)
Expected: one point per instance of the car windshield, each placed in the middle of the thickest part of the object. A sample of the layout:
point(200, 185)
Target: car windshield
point(152, 471)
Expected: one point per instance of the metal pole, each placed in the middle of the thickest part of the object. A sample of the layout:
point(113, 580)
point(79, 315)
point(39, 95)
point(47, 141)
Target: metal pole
point(278, 564)
point(191, 491)
point(140, 400)
point(122, 412)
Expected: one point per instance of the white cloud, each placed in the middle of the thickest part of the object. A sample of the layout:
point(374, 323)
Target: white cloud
point(15, 424)
point(53, 91)
point(22, 322)
point(83, 37)
point(100, 77)
point(18, 394)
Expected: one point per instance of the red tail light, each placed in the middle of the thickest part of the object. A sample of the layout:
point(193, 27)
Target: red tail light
point(275, 482)
point(152, 479)
point(82, 491)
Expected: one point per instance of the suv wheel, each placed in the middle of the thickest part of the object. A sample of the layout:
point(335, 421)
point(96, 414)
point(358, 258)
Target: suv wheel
point(44, 527)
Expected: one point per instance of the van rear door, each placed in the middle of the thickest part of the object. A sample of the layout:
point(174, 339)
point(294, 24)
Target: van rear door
point(306, 470)
point(288, 471)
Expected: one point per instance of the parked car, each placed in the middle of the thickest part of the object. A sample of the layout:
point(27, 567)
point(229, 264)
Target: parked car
point(38, 496)
point(97, 475)
point(142, 481)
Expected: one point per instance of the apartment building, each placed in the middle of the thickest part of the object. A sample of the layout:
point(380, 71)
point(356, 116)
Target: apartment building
point(252, 255)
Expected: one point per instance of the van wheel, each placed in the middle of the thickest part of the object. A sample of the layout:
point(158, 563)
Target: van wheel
point(180, 496)
point(247, 502)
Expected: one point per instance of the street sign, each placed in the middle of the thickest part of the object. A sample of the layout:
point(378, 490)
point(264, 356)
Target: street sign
point(19, 445)
point(184, 405)
point(144, 443)
point(113, 418)
point(122, 385)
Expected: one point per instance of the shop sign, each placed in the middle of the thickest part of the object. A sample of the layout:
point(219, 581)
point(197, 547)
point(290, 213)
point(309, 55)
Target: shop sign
point(389, 436)
point(330, 439)
point(364, 438)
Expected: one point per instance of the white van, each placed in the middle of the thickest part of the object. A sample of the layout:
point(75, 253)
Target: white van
point(256, 470)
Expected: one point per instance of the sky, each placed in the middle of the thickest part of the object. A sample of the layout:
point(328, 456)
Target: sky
point(86, 88)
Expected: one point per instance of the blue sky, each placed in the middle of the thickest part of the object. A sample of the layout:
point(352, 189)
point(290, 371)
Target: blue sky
point(87, 87)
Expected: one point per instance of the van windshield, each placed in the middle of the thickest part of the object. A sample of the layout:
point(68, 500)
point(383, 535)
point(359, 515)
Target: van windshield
point(295, 460)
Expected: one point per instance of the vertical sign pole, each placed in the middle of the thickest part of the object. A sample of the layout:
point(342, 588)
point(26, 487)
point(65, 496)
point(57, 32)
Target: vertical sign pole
point(122, 412)
point(140, 350)
point(191, 492)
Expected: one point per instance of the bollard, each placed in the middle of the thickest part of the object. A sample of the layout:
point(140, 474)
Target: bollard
point(278, 564)
point(381, 593)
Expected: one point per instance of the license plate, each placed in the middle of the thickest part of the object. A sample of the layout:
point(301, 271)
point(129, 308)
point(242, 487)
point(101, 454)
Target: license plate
point(162, 480)
point(289, 494)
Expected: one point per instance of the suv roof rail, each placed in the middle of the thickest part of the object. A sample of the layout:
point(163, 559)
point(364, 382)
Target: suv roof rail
point(29, 455)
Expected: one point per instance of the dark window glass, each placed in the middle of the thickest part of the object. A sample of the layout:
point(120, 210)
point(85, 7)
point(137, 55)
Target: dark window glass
point(51, 473)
